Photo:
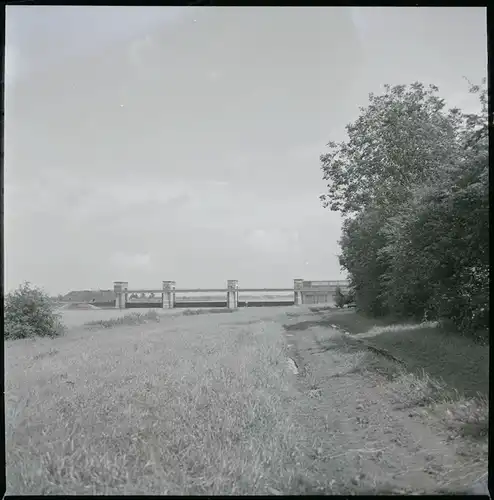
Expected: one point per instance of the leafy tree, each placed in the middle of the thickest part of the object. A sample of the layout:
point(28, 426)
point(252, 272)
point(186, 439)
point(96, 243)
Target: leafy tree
point(439, 239)
point(29, 312)
point(402, 138)
point(361, 243)
point(412, 183)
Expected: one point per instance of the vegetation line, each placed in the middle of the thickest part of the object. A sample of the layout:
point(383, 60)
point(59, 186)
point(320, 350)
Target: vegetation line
point(412, 185)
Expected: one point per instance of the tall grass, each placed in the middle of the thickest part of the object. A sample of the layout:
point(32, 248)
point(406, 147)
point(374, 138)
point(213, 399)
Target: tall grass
point(155, 412)
point(128, 319)
point(458, 361)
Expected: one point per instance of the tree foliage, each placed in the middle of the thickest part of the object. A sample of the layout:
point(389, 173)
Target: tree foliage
point(339, 297)
point(343, 299)
point(412, 185)
point(29, 312)
point(400, 139)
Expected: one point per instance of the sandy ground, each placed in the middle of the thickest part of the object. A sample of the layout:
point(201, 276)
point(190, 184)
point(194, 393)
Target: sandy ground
point(353, 440)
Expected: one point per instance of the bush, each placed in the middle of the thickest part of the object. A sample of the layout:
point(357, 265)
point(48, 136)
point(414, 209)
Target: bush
point(339, 298)
point(29, 312)
point(350, 298)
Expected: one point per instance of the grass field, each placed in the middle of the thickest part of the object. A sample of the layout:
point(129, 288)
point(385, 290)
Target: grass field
point(462, 363)
point(183, 402)
point(197, 406)
point(73, 318)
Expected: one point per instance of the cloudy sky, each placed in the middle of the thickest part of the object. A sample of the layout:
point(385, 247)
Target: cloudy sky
point(170, 143)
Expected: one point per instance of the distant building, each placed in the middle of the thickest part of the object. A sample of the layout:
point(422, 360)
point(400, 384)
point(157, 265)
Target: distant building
point(94, 296)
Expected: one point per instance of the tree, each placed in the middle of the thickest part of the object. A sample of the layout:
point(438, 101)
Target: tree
point(412, 184)
point(361, 243)
point(402, 138)
point(438, 240)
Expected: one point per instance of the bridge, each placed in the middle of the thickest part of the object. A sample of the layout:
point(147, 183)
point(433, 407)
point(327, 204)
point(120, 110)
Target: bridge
point(232, 297)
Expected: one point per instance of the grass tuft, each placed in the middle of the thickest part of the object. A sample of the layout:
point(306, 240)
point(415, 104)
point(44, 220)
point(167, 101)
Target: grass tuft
point(469, 417)
point(459, 361)
point(410, 390)
point(128, 319)
point(195, 312)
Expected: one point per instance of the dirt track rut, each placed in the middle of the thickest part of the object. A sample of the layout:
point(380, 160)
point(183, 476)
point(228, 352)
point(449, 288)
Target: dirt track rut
point(359, 439)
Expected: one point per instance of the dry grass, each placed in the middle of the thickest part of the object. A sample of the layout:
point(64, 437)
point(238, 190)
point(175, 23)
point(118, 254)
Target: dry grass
point(78, 318)
point(195, 312)
point(437, 367)
point(410, 390)
point(469, 417)
point(458, 361)
point(208, 405)
point(160, 410)
point(128, 319)
point(445, 373)
point(400, 327)
point(353, 322)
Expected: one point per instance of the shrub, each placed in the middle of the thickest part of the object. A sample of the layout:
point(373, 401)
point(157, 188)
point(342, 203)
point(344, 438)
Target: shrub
point(29, 312)
point(350, 297)
point(339, 298)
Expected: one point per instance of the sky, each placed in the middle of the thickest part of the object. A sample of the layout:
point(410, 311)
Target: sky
point(145, 144)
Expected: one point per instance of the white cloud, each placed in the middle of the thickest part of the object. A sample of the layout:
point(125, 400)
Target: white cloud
point(129, 200)
point(214, 75)
point(360, 22)
point(218, 183)
point(110, 196)
point(273, 240)
point(13, 64)
point(468, 103)
point(125, 261)
point(140, 54)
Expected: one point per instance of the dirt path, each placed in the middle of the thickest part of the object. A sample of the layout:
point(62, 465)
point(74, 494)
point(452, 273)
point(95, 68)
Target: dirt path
point(359, 439)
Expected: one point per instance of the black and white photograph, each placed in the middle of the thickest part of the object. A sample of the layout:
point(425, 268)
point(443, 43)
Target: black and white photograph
point(246, 250)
